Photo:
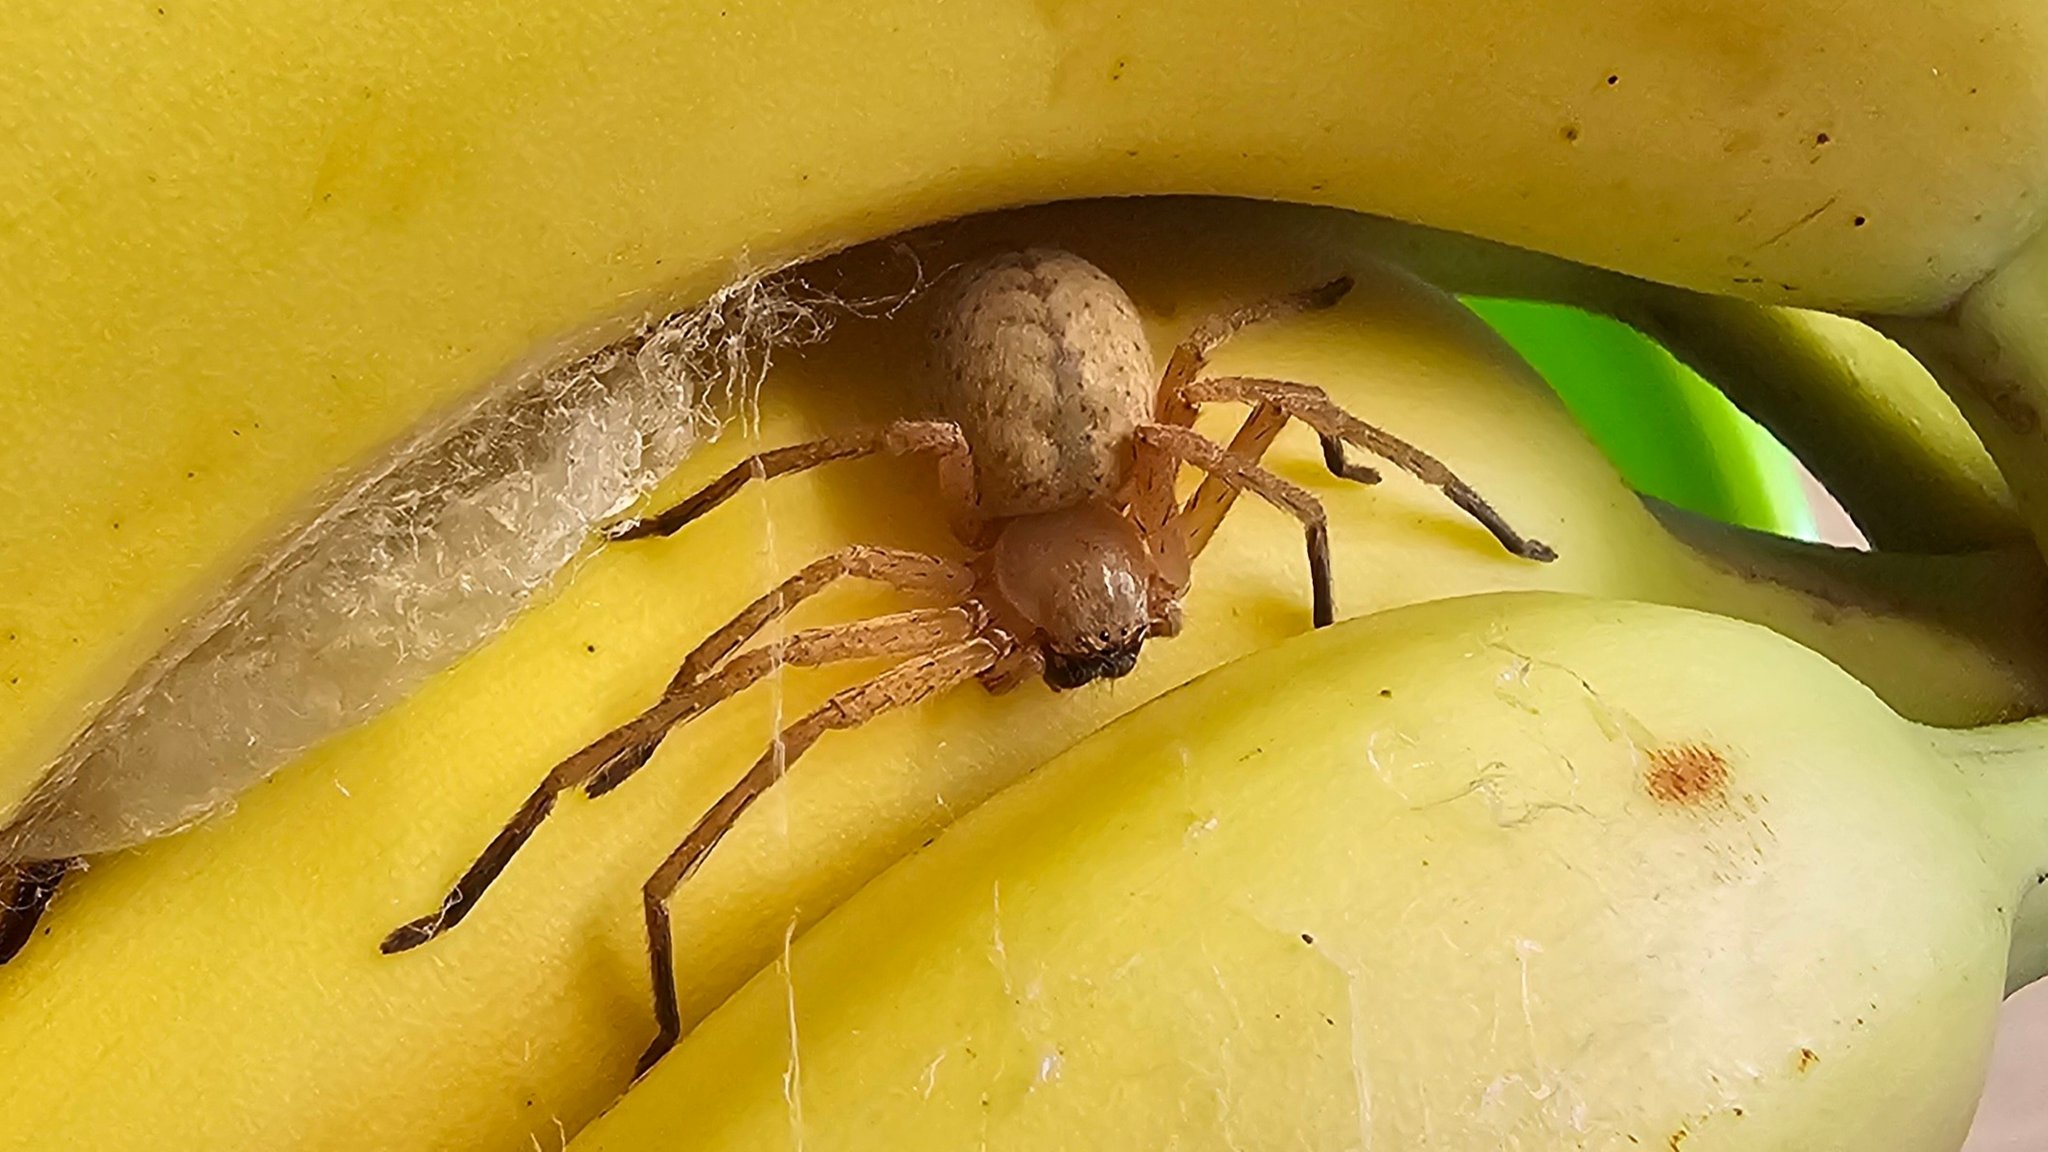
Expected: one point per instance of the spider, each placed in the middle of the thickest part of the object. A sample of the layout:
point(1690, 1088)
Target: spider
point(1057, 462)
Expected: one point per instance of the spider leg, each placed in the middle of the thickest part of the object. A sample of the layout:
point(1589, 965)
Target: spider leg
point(900, 438)
point(1205, 509)
point(1187, 445)
point(608, 761)
point(1313, 406)
point(899, 687)
point(1333, 459)
point(905, 571)
point(23, 899)
point(1153, 484)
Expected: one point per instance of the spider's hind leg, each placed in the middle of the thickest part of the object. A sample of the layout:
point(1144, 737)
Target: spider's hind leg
point(1313, 407)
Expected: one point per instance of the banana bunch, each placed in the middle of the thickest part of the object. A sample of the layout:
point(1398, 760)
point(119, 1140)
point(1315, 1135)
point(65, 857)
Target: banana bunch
point(251, 245)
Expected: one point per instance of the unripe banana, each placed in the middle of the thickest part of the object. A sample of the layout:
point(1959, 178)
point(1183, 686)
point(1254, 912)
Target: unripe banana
point(1508, 871)
point(160, 959)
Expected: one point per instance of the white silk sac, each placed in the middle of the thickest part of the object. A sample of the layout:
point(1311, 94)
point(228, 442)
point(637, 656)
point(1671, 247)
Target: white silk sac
point(414, 562)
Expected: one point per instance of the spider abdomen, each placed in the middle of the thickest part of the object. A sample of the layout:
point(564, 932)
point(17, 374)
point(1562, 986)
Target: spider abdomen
point(1042, 361)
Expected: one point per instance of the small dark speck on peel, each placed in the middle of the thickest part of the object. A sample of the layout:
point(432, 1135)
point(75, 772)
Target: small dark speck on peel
point(1807, 1059)
point(1687, 775)
point(1307, 939)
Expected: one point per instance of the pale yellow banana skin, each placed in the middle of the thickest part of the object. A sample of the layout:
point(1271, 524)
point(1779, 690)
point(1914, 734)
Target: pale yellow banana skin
point(1509, 871)
point(243, 244)
point(224, 986)
point(1858, 410)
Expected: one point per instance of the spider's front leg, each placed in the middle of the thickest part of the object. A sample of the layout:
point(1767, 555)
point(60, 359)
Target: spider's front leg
point(707, 678)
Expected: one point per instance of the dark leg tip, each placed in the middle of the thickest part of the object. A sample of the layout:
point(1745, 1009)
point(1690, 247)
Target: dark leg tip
point(14, 936)
point(624, 530)
point(1330, 293)
point(406, 937)
point(1539, 551)
point(652, 1056)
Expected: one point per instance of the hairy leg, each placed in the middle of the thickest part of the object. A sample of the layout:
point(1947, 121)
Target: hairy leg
point(607, 762)
point(1313, 406)
point(1152, 499)
point(914, 572)
point(1187, 445)
point(900, 687)
point(904, 437)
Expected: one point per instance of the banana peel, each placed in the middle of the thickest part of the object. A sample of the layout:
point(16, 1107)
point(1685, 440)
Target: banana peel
point(522, 1024)
point(1511, 870)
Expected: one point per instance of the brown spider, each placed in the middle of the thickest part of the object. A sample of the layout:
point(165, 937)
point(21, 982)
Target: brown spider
point(1057, 463)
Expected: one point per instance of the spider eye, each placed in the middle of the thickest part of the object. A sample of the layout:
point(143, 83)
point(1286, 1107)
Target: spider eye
point(1118, 664)
point(1064, 670)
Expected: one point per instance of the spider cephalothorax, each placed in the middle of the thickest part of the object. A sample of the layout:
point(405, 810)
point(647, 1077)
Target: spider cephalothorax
point(1079, 583)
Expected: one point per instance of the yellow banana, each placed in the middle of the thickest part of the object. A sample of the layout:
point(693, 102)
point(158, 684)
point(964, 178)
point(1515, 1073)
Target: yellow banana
point(160, 959)
point(277, 268)
point(1989, 352)
point(1508, 871)
point(349, 613)
point(1857, 409)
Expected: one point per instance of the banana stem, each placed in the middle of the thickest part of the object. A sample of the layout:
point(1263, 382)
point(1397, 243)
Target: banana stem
point(1856, 410)
point(1989, 351)
point(2005, 770)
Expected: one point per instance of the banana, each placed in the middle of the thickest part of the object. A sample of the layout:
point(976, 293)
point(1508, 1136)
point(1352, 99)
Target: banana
point(159, 958)
point(1512, 870)
point(258, 677)
point(1857, 410)
point(279, 268)
point(1988, 352)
